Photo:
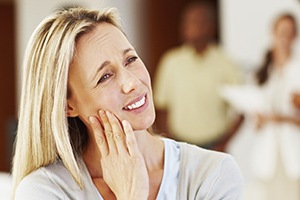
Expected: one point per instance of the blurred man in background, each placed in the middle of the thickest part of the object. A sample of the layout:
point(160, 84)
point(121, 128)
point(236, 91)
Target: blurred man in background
point(189, 80)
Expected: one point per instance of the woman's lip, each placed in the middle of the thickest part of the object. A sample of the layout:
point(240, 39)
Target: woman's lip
point(135, 100)
point(133, 105)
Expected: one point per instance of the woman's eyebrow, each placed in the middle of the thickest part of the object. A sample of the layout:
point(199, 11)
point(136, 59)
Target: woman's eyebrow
point(127, 50)
point(105, 63)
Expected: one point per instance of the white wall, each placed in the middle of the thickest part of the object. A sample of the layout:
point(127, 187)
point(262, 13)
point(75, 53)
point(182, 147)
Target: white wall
point(246, 27)
point(31, 12)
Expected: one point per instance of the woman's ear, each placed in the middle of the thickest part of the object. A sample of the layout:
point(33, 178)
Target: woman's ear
point(71, 109)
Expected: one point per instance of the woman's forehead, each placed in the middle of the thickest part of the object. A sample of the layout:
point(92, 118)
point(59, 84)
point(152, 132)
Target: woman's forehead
point(103, 37)
point(103, 44)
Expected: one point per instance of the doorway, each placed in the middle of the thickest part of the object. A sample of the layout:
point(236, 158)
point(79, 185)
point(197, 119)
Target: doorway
point(7, 83)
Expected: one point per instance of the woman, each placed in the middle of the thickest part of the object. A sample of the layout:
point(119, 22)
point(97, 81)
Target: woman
point(85, 115)
point(272, 131)
point(279, 128)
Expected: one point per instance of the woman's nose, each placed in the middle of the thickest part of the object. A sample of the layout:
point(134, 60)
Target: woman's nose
point(129, 81)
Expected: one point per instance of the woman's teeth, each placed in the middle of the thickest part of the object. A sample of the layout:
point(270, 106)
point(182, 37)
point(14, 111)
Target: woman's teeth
point(136, 104)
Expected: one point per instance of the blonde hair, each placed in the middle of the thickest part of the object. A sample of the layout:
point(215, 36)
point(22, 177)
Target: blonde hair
point(43, 134)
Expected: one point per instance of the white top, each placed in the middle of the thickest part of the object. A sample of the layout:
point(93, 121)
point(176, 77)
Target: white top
point(257, 150)
point(279, 137)
point(171, 170)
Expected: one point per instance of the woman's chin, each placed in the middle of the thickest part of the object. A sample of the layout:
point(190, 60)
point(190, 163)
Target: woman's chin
point(144, 125)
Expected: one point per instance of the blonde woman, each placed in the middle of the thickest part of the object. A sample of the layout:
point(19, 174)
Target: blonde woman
point(85, 112)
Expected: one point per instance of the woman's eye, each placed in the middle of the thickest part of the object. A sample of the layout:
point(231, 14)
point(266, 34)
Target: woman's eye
point(103, 78)
point(130, 60)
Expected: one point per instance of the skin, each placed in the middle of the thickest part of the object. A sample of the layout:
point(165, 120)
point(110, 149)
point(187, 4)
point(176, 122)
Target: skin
point(296, 100)
point(106, 76)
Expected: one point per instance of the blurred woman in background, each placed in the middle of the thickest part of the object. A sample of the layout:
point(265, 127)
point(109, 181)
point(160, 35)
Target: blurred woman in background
point(276, 154)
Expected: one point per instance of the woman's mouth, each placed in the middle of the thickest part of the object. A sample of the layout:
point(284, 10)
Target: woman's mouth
point(136, 105)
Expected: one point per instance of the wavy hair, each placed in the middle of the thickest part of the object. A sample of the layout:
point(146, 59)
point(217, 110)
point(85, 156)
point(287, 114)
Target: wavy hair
point(44, 132)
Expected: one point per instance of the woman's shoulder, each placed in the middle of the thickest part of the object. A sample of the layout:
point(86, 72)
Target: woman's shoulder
point(177, 53)
point(206, 160)
point(45, 183)
point(190, 149)
point(213, 174)
point(50, 182)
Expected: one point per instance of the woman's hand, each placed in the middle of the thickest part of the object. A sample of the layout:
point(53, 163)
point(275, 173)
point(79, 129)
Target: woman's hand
point(124, 169)
point(262, 119)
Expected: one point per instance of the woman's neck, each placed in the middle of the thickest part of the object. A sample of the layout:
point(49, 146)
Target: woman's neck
point(152, 149)
point(280, 58)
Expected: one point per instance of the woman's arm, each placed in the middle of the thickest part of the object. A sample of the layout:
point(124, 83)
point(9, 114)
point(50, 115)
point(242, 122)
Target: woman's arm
point(228, 183)
point(286, 119)
point(276, 118)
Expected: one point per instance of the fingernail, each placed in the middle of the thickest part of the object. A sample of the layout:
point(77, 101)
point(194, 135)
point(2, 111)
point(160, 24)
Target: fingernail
point(92, 119)
point(101, 113)
point(124, 123)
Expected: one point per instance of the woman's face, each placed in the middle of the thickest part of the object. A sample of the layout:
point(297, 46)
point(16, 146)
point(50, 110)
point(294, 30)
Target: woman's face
point(284, 34)
point(107, 74)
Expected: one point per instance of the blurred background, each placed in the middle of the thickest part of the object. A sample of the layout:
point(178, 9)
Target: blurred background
point(151, 26)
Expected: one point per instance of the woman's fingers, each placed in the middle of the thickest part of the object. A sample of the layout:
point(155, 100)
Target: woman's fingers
point(130, 139)
point(112, 137)
point(99, 135)
point(108, 132)
point(118, 133)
